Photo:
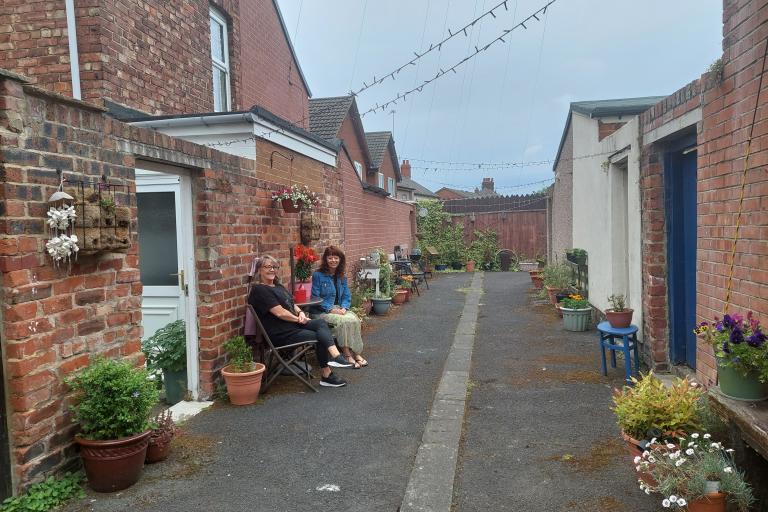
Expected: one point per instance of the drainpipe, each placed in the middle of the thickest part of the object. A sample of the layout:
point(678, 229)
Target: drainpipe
point(74, 64)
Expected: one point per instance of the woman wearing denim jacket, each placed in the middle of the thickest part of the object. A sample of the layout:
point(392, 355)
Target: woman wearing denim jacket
point(330, 283)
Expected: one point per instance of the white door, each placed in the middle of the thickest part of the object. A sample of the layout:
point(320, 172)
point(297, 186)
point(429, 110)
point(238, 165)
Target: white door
point(166, 258)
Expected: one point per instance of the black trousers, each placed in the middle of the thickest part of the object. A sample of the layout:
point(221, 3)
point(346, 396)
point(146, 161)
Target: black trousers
point(316, 329)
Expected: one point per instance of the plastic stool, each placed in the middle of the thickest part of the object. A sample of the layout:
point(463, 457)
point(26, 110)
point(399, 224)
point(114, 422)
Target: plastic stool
point(624, 339)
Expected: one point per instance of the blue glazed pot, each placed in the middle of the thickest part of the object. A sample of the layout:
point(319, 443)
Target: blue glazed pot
point(381, 306)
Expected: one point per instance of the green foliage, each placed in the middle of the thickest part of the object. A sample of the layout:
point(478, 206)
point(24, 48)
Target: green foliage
point(651, 406)
point(386, 276)
point(574, 301)
point(558, 276)
point(240, 355)
point(739, 343)
point(484, 249)
point(113, 399)
point(438, 231)
point(617, 302)
point(46, 495)
point(167, 348)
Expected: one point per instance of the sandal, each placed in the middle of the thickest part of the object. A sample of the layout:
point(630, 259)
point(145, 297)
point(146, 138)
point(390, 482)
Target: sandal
point(354, 362)
point(360, 361)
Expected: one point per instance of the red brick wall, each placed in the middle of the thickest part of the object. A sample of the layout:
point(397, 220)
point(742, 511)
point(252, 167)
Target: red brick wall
point(387, 168)
point(605, 129)
point(370, 220)
point(355, 142)
point(728, 108)
point(654, 242)
point(270, 78)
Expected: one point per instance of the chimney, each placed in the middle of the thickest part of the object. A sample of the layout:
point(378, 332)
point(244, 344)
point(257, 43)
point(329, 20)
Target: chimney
point(405, 169)
point(488, 184)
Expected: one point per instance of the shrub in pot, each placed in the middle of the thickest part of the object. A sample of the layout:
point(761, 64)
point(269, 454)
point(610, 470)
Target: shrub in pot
point(166, 352)
point(242, 375)
point(113, 400)
point(556, 279)
point(163, 430)
point(618, 315)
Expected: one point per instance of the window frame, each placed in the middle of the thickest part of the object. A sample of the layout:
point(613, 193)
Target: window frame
point(381, 180)
point(358, 168)
point(223, 66)
point(391, 185)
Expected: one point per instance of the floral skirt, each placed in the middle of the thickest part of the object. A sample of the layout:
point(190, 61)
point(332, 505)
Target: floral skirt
point(346, 329)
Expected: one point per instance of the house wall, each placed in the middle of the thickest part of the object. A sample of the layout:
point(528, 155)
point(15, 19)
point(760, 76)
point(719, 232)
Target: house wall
point(354, 143)
point(728, 107)
point(387, 168)
point(447, 194)
point(610, 233)
point(561, 228)
point(655, 305)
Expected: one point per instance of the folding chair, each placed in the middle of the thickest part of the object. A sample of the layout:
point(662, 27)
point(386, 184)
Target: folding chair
point(405, 269)
point(277, 360)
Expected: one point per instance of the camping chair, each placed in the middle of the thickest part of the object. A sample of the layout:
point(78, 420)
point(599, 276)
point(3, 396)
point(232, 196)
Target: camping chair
point(278, 360)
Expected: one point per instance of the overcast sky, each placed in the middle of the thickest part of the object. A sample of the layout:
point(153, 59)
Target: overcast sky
point(508, 103)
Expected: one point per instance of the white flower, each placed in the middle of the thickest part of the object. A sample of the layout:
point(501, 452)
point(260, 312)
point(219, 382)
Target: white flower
point(665, 503)
point(716, 446)
point(647, 490)
point(707, 436)
point(638, 468)
point(673, 499)
point(653, 441)
point(646, 453)
point(679, 462)
point(681, 502)
point(695, 435)
point(637, 459)
point(670, 446)
point(728, 469)
point(730, 450)
point(651, 459)
point(689, 451)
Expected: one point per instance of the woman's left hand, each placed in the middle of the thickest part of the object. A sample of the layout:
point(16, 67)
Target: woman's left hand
point(303, 318)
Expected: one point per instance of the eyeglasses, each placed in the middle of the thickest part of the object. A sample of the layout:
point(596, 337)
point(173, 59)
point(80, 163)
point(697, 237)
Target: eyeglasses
point(271, 267)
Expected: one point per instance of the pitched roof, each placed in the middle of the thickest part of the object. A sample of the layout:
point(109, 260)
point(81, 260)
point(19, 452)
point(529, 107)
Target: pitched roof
point(327, 114)
point(408, 183)
point(378, 144)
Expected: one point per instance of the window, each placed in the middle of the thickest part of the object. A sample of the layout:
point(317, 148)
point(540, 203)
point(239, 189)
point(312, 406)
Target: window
point(381, 180)
point(220, 59)
point(359, 169)
point(391, 185)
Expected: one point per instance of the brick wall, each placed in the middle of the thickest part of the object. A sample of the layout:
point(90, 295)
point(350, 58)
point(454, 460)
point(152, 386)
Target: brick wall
point(354, 142)
point(387, 168)
point(728, 107)
point(654, 243)
point(605, 129)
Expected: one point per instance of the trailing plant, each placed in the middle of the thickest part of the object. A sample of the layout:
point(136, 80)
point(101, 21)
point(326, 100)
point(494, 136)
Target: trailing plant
point(300, 197)
point(239, 354)
point(47, 494)
point(113, 399)
point(650, 409)
point(682, 471)
point(617, 302)
point(167, 348)
point(484, 249)
point(437, 230)
point(558, 276)
point(739, 343)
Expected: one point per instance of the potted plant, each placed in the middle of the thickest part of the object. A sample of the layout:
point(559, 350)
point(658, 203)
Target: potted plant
point(698, 474)
point(618, 315)
point(304, 257)
point(242, 375)
point(112, 403)
point(741, 350)
point(166, 352)
point(577, 313)
point(163, 430)
point(296, 198)
point(650, 409)
point(470, 265)
point(383, 299)
point(556, 279)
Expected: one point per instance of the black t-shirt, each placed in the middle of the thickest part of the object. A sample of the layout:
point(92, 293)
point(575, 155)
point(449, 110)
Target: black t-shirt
point(263, 298)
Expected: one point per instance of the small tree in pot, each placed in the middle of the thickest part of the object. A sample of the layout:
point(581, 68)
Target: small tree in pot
point(619, 315)
point(166, 352)
point(242, 375)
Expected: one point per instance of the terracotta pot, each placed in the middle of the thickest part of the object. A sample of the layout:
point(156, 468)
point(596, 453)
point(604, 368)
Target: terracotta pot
point(243, 388)
point(407, 294)
point(116, 464)
point(538, 281)
point(633, 447)
point(159, 447)
point(619, 319)
point(399, 297)
point(552, 292)
point(288, 206)
point(470, 266)
point(714, 502)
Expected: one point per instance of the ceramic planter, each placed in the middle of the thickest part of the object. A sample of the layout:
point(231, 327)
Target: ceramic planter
point(576, 320)
point(619, 319)
point(713, 502)
point(175, 386)
point(381, 305)
point(735, 385)
point(113, 465)
point(243, 388)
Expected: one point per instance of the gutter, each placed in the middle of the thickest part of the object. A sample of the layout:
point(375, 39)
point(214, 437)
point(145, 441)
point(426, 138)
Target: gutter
point(208, 120)
point(74, 63)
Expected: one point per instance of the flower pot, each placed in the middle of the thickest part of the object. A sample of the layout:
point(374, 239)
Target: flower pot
point(552, 292)
point(440, 266)
point(407, 294)
point(619, 319)
point(367, 305)
point(714, 502)
point(288, 206)
point(113, 465)
point(734, 384)
point(399, 297)
point(576, 320)
point(633, 447)
point(175, 386)
point(537, 280)
point(302, 291)
point(470, 266)
point(159, 447)
point(243, 388)
point(381, 305)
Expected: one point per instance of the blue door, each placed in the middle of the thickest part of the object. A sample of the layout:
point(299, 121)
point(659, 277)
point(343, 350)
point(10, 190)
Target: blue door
point(680, 208)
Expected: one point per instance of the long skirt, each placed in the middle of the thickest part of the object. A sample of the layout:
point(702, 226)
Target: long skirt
point(346, 329)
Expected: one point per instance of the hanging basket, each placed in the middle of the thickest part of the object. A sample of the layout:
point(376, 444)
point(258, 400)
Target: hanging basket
point(288, 206)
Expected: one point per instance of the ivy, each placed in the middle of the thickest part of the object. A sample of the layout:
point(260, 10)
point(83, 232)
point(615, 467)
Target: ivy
point(46, 495)
point(437, 230)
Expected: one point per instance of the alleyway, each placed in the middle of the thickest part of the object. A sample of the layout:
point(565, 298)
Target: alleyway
point(538, 434)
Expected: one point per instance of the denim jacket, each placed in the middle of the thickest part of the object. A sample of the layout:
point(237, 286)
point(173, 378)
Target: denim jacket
point(323, 286)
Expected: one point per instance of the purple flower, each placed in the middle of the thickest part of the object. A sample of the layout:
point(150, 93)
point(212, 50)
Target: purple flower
point(737, 336)
point(756, 339)
point(725, 348)
point(719, 327)
point(727, 322)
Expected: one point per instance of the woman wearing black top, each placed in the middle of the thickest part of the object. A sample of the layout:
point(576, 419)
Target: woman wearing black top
point(286, 323)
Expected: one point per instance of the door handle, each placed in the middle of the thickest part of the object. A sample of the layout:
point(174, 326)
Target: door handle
point(182, 283)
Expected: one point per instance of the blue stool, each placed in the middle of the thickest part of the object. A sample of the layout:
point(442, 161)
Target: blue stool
point(624, 339)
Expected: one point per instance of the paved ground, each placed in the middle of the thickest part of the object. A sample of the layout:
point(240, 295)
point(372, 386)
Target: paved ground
point(538, 434)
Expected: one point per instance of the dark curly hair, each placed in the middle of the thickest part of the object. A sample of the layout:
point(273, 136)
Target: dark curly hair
point(332, 250)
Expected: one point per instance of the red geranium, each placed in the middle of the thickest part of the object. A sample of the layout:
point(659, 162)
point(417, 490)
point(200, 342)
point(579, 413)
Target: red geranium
point(304, 258)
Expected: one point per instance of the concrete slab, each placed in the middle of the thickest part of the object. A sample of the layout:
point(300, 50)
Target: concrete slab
point(183, 411)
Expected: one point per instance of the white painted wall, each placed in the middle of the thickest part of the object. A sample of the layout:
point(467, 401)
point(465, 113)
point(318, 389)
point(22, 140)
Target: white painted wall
point(606, 209)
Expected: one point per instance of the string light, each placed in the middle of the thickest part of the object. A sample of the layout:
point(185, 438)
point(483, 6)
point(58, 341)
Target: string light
point(458, 186)
point(442, 72)
point(498, 166)
point(434, 46)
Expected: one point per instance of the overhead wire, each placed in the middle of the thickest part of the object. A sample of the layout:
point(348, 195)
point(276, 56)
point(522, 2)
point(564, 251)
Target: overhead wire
point(416, 77)
point(359, 37)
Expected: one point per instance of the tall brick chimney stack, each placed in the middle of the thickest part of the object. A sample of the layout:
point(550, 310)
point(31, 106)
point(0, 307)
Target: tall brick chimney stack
point(488, 184)
point(405, 169)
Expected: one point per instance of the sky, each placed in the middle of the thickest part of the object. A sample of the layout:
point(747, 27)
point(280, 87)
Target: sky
point(510, 102)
